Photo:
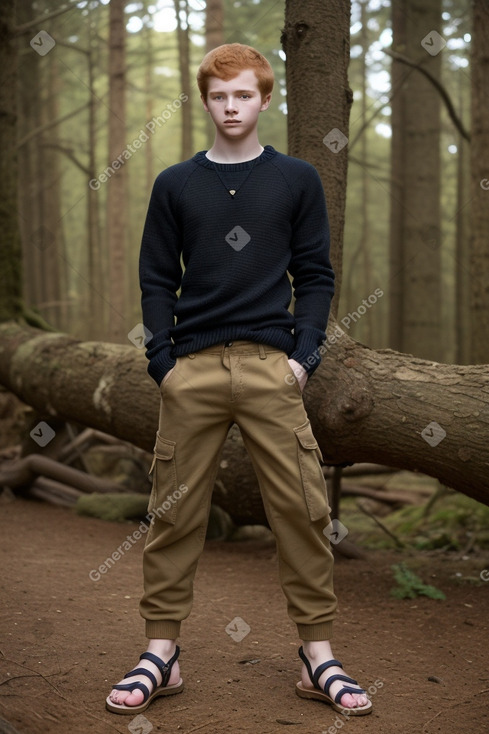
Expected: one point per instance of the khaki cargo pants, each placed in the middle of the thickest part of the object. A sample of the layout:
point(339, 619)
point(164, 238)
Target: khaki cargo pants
point(251, 385)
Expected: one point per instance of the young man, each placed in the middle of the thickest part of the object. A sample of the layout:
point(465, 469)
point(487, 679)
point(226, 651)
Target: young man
point(227, 350)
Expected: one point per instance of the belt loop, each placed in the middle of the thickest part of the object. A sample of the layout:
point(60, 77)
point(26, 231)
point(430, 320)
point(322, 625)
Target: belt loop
point(262, 351)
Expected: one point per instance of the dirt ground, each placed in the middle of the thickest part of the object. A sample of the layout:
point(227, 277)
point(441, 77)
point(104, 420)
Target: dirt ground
point(65, 638)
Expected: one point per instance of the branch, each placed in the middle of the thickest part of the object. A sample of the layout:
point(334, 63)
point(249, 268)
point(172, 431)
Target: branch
point(440, 88)
point(69, 154)
point(26, 27)
point(74, 47)
point(51, 124)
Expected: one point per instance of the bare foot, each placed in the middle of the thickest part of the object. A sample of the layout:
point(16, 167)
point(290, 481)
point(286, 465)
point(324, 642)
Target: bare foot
point(320, 652)
point(164, 649)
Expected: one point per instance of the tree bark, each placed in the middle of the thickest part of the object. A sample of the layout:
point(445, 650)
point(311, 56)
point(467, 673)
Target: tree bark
point(415, 298)
point(214, 36)
point(479, 159)
point(183, 32)
point(364, 405)
point(316, 41)
point(10, 257)
point(116, 191)
point(53, 256)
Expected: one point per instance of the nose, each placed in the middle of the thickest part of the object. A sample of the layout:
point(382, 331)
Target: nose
point(231, 105)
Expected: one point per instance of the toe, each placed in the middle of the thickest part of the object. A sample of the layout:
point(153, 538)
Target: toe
point(134, 698)
point(351, 701)
point(348, 701)
point(117, 696)
point(126, 698)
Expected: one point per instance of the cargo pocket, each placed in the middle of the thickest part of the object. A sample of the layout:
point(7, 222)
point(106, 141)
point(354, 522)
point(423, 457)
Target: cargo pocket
point(164, 486)
point(312, 476)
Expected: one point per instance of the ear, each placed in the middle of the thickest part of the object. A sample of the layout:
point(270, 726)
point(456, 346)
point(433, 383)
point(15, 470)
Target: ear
point(266, 102)
point(204, 103)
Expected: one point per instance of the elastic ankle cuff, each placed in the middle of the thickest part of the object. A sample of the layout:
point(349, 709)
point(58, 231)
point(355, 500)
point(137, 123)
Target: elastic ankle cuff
point(315, 632)
point(162, 630)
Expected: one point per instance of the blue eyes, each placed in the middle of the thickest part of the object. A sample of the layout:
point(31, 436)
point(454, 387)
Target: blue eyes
point(219, 97)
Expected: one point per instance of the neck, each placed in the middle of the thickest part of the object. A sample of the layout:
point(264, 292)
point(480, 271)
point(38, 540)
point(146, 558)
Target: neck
point(234, 151)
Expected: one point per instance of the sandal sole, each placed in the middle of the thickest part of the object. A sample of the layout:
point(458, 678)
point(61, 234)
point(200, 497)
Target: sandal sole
point(128, 710)
point(319, 696)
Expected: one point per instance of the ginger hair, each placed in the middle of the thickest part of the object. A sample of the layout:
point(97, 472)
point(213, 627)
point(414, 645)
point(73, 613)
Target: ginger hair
point(228, 60)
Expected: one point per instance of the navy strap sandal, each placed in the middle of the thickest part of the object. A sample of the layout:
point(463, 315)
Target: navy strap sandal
point(158, 690)
point(321, 694)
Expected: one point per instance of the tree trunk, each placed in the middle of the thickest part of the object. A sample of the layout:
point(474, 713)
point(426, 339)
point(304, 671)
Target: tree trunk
point(479, 154)
point(149, 93)
point(116, 192)
point(364, 405)
point(29, 111)
point(182, 8)
point(214, 24)
point(361, 254)
point(462, 254)
point(53, 294)
point(415, 195)
point(214, 36)
point(316, 41)
point(10, 251)
point(94, 305)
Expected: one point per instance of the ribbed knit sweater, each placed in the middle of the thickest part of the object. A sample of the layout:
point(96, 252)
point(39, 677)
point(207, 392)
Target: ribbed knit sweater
point(236, 251)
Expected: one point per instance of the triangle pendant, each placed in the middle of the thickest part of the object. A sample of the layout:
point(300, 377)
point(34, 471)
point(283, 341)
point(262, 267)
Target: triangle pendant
point(232, 191)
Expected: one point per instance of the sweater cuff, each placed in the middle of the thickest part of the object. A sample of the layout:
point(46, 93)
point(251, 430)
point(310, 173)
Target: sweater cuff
point(160, 364)
point(309, 348)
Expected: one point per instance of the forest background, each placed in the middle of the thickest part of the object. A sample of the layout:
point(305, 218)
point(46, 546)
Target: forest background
point(108, 100)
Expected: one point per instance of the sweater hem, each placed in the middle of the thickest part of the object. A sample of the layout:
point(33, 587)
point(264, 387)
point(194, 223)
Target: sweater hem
point(277, 338)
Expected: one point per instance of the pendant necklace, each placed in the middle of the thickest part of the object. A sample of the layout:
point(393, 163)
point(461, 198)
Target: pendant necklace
point(232, 192)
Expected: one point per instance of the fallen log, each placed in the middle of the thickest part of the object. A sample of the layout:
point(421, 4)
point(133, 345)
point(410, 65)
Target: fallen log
point(365, 406)
point(23, 472)
point(54, 492)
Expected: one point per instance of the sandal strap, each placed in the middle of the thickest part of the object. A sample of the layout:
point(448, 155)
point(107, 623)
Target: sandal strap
point(314, 677)
point(306, 663)
point(132, 686)
point(164, 668)
point(143, 671)
point(321, 668)
point(346, 689)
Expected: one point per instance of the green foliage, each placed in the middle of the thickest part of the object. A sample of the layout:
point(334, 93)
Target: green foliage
point(112, 506)
point(410, 586)
point(447, 520)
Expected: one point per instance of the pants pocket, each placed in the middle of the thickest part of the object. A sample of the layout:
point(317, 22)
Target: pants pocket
point(290, 378)
point(164, 497)
point(313, 481)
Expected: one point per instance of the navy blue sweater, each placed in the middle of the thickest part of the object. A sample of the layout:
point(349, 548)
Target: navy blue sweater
point(236, 252)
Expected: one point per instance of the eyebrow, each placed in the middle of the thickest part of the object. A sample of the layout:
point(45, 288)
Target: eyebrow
point(236, 91)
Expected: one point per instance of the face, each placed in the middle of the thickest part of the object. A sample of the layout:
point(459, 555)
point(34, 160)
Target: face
point(234, 105)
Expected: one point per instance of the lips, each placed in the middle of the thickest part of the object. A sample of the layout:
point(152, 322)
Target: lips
point(231, 122)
